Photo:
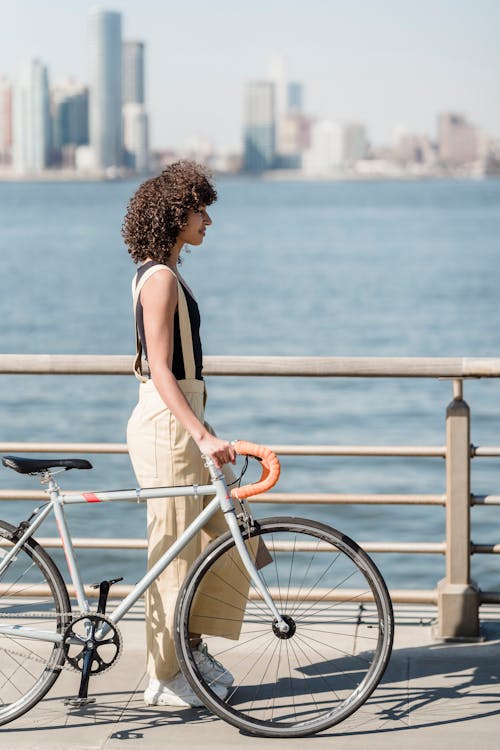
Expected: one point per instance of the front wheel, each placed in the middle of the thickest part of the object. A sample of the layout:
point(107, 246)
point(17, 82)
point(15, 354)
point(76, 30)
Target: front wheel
point(340, 634)
point(32, 596)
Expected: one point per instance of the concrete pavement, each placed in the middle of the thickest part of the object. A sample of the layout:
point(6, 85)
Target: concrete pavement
point(434, 695)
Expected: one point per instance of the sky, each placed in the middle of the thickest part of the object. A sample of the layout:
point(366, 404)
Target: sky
point(386, 63)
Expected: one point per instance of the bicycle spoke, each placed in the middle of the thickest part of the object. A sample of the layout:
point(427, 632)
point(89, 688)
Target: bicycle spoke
point(365, 662)
point(244, 676)
point(347, 675)
point(291, 569)
point(290, 679)
point(306, 573)
point(33, 666)
point(331, 605)
point(296, 645)
point(332, 632)
point(293, 683)
point(241, 594)
point(335, 587)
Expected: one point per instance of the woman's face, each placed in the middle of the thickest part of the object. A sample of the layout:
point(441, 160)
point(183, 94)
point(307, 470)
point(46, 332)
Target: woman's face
point(197, 223)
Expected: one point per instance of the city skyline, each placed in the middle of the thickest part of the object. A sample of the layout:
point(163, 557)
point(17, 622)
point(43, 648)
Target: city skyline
point(354, 66)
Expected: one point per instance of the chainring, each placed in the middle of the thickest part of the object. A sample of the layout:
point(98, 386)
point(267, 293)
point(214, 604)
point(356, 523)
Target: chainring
point(105, 650)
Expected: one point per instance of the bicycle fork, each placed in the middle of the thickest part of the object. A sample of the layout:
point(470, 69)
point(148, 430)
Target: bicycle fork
point(228, 508)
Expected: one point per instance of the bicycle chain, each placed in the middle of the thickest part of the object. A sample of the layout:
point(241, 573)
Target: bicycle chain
point(39, 615)
point(32, 657)
point(65, 666)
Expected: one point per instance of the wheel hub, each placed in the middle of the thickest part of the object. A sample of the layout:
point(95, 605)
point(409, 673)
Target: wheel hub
point(291, 628)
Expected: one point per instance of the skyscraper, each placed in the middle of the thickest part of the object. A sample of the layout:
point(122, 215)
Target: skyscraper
point(295, 139)
point(325, 153)
point(133, 72)
point(135, 118)
point(354, 143)
point(135, 129)
point(31, 118)
point(335, 146)
point(70, 121)
point(260, 126)
point(5, 121)
point(70, 104)
point(457, 140)
point(277, 75)
point(295, 97)
point(105, 102)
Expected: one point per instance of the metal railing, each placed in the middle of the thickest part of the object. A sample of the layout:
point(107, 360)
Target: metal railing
point(457, 597)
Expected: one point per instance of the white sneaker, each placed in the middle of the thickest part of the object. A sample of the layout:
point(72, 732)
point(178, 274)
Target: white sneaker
point(212, 670)
point(176, 692)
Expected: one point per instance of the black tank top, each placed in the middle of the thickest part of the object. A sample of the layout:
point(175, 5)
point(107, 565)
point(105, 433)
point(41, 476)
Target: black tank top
point(194, 319)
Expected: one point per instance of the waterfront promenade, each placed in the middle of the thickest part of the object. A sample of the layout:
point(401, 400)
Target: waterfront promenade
point(434, 695)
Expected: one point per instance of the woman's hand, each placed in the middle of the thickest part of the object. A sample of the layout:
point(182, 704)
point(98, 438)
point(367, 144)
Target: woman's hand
point(220, 451)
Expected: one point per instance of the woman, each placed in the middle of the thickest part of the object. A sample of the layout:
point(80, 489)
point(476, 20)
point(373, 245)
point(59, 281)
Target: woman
point(167, 433)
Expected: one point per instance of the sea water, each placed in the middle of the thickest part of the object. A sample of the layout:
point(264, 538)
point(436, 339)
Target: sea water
point(407, 269)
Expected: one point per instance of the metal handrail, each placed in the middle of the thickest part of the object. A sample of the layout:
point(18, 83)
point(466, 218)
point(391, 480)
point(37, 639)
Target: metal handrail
point(457, 597)
point(352, 367)
point(436, 548)
point(295, 498)
point(418, 451)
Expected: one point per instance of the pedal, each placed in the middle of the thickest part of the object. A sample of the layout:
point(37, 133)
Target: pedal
point(76, 702)
point(111, 582)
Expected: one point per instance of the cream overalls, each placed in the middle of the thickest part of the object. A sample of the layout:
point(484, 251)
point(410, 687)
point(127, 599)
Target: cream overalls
point(164, 454)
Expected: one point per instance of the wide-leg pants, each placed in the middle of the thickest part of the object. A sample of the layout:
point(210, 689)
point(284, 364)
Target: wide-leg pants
point(164, 454)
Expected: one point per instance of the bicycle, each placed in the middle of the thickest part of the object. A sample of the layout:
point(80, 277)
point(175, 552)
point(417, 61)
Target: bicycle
point(316, 622)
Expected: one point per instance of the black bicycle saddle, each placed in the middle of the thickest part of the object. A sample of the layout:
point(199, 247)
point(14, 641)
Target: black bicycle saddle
point(36, 465)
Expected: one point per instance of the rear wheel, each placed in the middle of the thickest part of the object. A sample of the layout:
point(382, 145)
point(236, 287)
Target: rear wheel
point(340, 634)
point(32, 595)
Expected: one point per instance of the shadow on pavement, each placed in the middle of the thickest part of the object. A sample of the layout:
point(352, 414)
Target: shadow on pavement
point(424, 686)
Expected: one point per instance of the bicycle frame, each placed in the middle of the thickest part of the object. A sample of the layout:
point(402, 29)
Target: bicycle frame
point(58, 499)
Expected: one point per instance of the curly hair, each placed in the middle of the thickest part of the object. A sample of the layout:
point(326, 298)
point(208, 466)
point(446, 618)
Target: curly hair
point(160, 207)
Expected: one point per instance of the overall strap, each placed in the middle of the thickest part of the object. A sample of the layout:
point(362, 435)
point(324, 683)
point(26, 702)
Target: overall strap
point(186, 335)
point(184, 324)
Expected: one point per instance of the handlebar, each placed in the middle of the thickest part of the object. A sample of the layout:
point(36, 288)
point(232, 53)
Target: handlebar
point(270, 469)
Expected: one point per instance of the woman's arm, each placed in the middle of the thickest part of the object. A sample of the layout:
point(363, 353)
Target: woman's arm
point(159, 302)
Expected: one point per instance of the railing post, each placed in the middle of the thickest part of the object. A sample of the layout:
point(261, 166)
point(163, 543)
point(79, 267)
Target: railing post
point(458, 596)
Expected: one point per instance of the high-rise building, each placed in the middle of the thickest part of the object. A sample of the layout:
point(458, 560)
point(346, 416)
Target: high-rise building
point(70, 115)
point(260, 126)
point(105, 101)
point(70, 121)
point(335, 146)
point(5, 121)
point(354, 143)
point(135, 118)
point(295, 102)
point(135, 130)
point(277, 75)
point(457, 140)
point(295, 139)
point(411, 148)
point(325, 152)
point(133, 72)
point(31, 140)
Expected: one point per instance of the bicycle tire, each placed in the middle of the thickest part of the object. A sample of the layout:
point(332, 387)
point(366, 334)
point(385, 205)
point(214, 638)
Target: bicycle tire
point(342, 640)
point(29, 668)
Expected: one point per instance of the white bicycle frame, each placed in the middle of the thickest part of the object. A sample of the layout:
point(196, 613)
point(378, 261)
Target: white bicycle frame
point(58, 499)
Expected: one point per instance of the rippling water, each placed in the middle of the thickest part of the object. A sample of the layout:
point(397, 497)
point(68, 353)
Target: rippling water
point(332, 269)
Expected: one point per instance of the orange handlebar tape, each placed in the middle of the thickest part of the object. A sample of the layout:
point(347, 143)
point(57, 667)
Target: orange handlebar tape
point(270, 469)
